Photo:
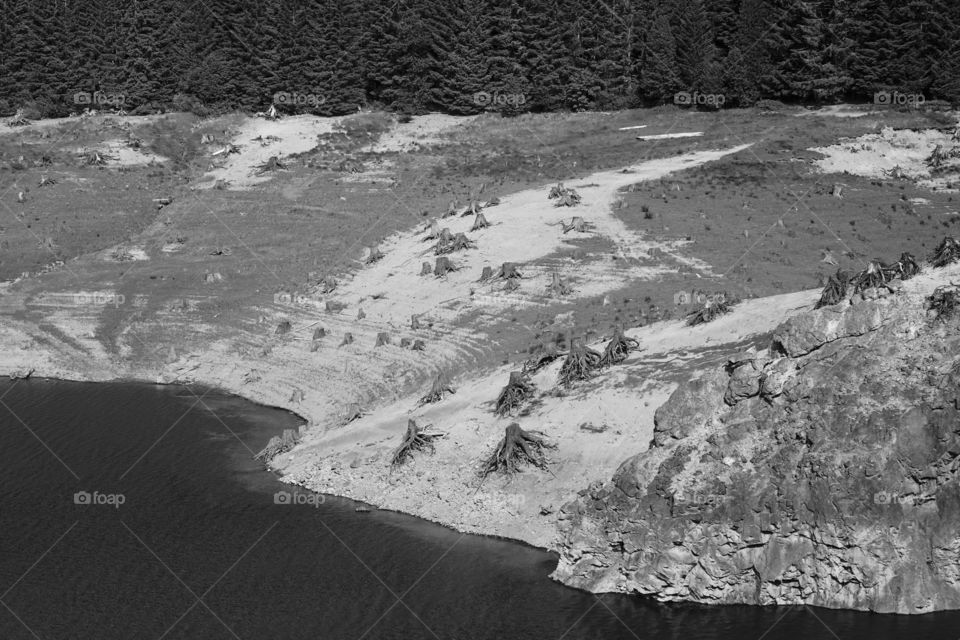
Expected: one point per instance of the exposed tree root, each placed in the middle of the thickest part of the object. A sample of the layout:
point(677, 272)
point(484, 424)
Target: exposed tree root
point(517, 391)
point(835, 290)
point(944, 301)
point(618, 348)
point(472, 209)
point(518, 447)
point(441, 386)
point(416, 439)
point(871, 277)
point(580, 364)
point(904, 268)
point(272, 164)
point(947, 252)
point(375, 255)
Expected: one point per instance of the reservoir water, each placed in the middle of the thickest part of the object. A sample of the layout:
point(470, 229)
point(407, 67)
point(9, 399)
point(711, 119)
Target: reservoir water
point(136, 511)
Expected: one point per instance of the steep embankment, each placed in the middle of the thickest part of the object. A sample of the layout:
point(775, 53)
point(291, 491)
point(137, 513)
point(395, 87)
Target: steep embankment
point(821, 470)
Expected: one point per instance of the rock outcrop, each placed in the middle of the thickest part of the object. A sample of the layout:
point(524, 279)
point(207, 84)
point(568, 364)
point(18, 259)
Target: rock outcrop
point(823, 470)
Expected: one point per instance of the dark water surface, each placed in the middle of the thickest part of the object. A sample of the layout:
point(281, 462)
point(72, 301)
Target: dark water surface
point(200, 550)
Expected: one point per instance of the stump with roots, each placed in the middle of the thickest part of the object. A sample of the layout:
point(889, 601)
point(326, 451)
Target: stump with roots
point(904, 268)
point(473, 208)
point(835, 290)
point(480, 222)
point(618, 348)
point(278, 445)
point(375, 255)
point(558, 287)
point(947, 252)
point(283, 328)
point(335, 307)
point(426, 269)
point(492, 202)
point(451, 209)
point(319, 333)
point(512, 396)
point(518, 447)
point(458, 242)
point(542, 357)
point(508, 271)
point(416, 439)
point(871, 277)
point(944, 302)
point(486, 274)
point(937, 158)
point(580, 364)
point(382, 338)
point(578, 224)
point(97, 159)
point(710, 311)
point(347, 339)
point(328, 285)
point(564, 197)
point(352, 412)
point(272, 164)
point(419, 345)
point(443, 267)
point(433, 231)
point(441, 386)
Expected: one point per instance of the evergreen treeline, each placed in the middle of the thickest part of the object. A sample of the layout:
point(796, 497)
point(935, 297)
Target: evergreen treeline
point(425, 55)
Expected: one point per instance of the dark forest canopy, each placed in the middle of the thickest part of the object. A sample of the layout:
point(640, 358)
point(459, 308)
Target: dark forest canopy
point(412, 56)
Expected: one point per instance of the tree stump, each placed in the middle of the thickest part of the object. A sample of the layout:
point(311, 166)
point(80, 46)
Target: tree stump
point(335, 307)
point(557, 287)
point(433, 231)
point(577, 224)
point(347, 339)
point(426, 269)
point(480, 222)
point(518, 447)
point(352, 412)
point(443, 267)
point(487, 274)
point(360, 314)
point(319, 332)
point(618, 348)
point(414, 322)
point(419, 345)
point(580, 364)
point(508, 271)
point(404, 343)
point(382, 339)
point(315, 346)
point(283, 328)
point(416, 439)
point(375, 255)
point(512, 396)
point(441, 386)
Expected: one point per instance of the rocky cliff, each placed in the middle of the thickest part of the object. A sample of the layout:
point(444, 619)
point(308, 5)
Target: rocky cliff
point(821, 470)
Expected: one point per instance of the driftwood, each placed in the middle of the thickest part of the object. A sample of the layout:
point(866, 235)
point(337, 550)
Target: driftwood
point(580, 364)
point(618, 348)
point(542, 357)
point(443, 267)
point(480, 222)
point(518, 447)
point(441, 386)
point(517, 391)
point(947, 252)
point(278, 445)
point(835, 290)
point(416, 439)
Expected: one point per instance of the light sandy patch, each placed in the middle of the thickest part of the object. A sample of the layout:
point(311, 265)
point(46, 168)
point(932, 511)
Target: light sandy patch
point(877, 155)
point(525, 228)
point(125, 156)
point(665, 136)
point(421, 131)
point(258, 140)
